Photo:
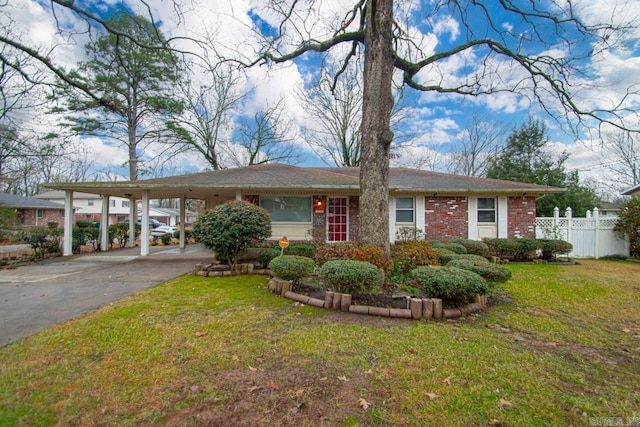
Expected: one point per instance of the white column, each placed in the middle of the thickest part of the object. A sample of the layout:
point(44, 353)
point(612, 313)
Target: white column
point(144, 233)
point(133, 219)
point(596, 229)
point(472, 218)
point(238, 194)
point(183, 209)
point(67, 245)
point(392, 219)
point(420, 221)
point(104, 224)
point(503, 216)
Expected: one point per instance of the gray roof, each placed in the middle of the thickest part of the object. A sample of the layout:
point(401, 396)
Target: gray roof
point(270, 178)
point(632, 191)
point(20, 202)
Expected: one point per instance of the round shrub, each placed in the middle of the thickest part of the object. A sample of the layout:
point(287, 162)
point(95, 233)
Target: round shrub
point(352, 277)
point(450, 283)
point(475, 247)
point(552, 248)
point(454, 247)
point(445, 259)
point(265, 257)
point(229, 229)
point(350, 251)
point(292, 267)
point(525, 249)
point(492, 273)
point(501, 247)
point(411, 254)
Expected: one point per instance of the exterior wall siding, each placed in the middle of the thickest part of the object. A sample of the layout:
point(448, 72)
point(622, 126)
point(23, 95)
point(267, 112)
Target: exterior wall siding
point(522, 217)
point(445, 217)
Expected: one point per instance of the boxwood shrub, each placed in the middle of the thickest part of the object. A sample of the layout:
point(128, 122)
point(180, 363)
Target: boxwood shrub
point(292, 267)
point(454, 247)
point(352, 277)
point(446, 258)
point(351, 251)
point(492, 273)
point(449, 283)
point(552, 248)
point(265, 257)
point(475, 247)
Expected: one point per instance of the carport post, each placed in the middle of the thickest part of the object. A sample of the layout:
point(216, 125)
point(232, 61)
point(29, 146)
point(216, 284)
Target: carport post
point(67, 245)
point(183, 205)
point(132, 222)
point(104, 224)
point(144, 232)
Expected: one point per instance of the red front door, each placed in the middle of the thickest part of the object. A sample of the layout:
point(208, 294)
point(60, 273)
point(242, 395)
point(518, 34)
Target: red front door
point(337, 214)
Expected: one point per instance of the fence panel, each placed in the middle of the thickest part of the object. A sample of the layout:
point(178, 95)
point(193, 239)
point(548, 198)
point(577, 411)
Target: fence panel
point(591, 237)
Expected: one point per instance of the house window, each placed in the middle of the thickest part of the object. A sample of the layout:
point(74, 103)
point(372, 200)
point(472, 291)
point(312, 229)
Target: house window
point(287, 209)
point(112, 203)
point(486, 209)
point(39, 213)
point(404, 209)
point(125, 204)
point(89, 202)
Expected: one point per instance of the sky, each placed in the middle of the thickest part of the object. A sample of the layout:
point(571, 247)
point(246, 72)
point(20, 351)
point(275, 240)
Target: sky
point(436, 122)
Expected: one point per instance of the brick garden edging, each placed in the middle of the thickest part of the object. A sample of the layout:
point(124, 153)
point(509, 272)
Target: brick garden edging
point(420, 308)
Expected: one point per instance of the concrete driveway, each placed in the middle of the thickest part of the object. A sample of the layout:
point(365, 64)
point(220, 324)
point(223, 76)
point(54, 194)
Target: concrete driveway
point(36, 296)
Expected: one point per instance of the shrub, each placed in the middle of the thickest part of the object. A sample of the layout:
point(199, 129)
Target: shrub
point(454, 247)
point(525, 249)
point(552, 248)
point(628, 224)
point(301, 249)
point(492, 273)
point(166, 239)
point(444, 255)
point(352, 277)
point(445, 259)
point(265, 257)
point(450, 283)
point(411, 254)
point(292, 267)
point(405, 234)
point(350, 251)
point(229, 229)
point(83, 223)
point(501, 247)
point(475, 247)
point(120, 231)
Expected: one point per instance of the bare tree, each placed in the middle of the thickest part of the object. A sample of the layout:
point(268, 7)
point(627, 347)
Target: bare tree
point(207, 120)
point(621, 156)
point(480, 142)
point(266, 137)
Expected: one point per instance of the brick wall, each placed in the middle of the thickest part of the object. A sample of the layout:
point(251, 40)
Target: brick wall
point(522, 217)
point(28, 217)
point(445, 217)
point(354, 218)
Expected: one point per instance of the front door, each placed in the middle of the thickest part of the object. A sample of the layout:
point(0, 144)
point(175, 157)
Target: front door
point(337, 219)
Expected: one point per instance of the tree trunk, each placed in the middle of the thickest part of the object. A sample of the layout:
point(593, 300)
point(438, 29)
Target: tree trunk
point(376, 132)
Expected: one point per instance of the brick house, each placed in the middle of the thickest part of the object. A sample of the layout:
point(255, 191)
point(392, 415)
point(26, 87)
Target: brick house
point(34, 212)
point(318, 202)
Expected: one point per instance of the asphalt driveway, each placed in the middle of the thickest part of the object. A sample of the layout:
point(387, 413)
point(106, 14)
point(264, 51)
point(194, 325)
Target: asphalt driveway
point(36, 296)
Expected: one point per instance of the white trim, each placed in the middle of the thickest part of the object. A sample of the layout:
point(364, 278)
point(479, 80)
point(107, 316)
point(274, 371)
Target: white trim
point(104, 224)
point(327, 220)
point(67, 245)
point(472, 218)
point(144, 232)
point(392, 220)
point(419, 213)
point(503, 218)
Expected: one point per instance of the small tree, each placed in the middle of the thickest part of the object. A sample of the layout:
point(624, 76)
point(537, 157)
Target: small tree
point(229, 229)
point(629, 225)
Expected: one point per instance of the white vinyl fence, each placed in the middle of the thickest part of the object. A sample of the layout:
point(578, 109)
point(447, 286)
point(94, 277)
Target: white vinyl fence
point(591, 237)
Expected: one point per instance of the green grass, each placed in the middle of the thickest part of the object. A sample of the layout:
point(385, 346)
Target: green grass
point(560, 348)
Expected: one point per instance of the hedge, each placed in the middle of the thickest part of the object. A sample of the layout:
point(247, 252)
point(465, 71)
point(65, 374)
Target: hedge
point(492, 273)
point(292, 267)
point(352, 277)
point(450, 283)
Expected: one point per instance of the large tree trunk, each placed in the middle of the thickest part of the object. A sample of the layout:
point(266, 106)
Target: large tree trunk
point(376, 132)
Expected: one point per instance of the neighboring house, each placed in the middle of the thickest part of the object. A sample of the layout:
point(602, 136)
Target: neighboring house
point(323, 202)
point(33, 212)
point(89, 206)
point(633, 191)
point(171, 216)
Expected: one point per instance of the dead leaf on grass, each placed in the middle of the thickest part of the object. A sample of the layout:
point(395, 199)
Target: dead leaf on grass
point(343, 378)
point(551, 344)
point(201, 334)
point(626, 330)
point(273, 385)
point(447, 380)
point(505, 404)
point(496, 423)
point(431, 395)
point(369, 372)
point(323, 379)
point(235, 358)
point(252, 369)
point(194, 388)
point(254, 388)
point(433, 369)
point(364, 404)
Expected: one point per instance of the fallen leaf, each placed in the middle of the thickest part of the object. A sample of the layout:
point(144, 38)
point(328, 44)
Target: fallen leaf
point(323, 379)
point(369, 372)
point(431, 395)
point(299, 393)
point(194, 388)
point(496, 423)
point(551, 344)
point(433, 369)
point(251, 368)
point(235, 358)
point(273, 385)
point(364, 404)
point(254, 388)
point(505, 403)
point(343, 378)
point(447, 380)
point(201, 334)
point(626, 330)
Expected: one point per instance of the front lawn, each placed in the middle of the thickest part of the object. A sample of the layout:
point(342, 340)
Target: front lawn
point(561, 346)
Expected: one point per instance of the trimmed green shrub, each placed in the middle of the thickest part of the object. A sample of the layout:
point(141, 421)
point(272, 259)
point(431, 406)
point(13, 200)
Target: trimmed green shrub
point(166, 239)
point(301, 249)
point(352, 277)
point(411, 254)
point(525, 249)
point(450, 283)
point(230, 228)
point(265, 257)
point(350, 251)
point(445, 259)
point(501, 247)
point(120, 231)
point(552, 248)
point(454, 247)
point(84, 223)
point(292, 267)
point(492, 273)
point(475, 247)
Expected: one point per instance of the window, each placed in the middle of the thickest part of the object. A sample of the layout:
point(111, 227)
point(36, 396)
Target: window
point(112, 203)
point(404, 209)
point(287, 209)
point(125, 204)
point(486, 209)
point(39, 213)
point(89, 202)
